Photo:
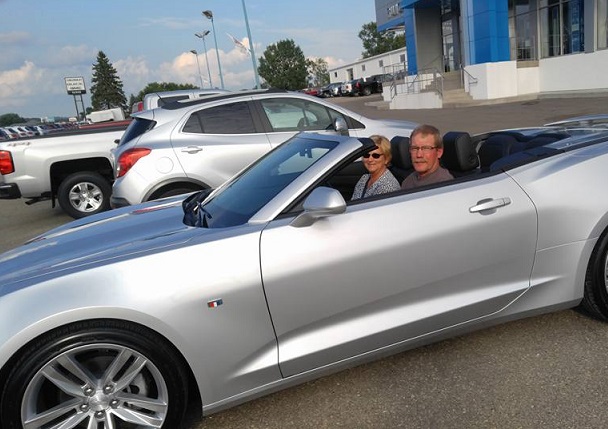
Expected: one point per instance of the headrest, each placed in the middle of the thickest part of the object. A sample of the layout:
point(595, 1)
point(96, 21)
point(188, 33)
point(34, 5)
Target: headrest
point(459, 152)
point(498, 146)
point(400, 150)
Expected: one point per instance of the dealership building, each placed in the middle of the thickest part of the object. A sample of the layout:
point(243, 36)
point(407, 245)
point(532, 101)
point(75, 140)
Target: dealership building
point(495, 49)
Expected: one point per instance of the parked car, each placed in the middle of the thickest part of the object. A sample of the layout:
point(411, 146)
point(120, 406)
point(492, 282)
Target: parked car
point(157, 99)
point(347, 87)
point(331, 90)
point(199, 144)
point(123, 318)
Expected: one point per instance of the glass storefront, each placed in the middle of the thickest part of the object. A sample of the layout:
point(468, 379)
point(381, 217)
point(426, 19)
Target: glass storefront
point(562, 29)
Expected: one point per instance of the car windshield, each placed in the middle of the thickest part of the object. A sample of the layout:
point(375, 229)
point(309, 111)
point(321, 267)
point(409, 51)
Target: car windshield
point(243, 196)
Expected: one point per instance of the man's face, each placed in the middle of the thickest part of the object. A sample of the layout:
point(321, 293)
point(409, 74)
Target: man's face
point(425, 156)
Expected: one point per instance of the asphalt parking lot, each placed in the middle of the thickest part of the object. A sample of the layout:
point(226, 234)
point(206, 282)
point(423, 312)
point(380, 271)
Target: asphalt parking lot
point(542, 372)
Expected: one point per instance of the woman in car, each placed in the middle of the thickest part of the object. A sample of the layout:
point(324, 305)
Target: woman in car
point(379, 180)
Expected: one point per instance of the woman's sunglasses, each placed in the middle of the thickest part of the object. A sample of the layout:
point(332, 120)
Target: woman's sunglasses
point(373, 155)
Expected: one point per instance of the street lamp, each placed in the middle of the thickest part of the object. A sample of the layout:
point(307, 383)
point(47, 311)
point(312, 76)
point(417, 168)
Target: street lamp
point(202, 36)
point(198, 65)
point(253, 60)
point(209, 15)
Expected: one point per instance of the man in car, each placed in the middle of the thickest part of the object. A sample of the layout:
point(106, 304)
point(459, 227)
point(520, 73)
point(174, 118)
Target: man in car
point(426, 148)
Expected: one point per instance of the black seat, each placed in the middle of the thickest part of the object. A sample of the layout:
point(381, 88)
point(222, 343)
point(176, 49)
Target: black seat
point(544, 139)
point(459, 155)
point(498, 146)
point(401, 165)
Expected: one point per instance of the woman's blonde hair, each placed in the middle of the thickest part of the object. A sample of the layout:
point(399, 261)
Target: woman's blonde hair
point(384, 145)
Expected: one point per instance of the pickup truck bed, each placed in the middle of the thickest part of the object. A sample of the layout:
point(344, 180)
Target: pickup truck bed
point(72, 167)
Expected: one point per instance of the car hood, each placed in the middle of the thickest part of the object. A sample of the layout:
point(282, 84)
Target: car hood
point(110, 236)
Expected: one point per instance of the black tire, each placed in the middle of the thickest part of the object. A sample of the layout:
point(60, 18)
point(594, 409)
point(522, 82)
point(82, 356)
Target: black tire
point(367, 91)
point(84, 194)
point(595, 301)
point(149, 370)
point(174, 191)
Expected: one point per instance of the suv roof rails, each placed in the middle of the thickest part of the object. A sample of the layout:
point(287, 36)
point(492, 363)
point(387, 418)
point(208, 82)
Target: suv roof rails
point(195, 101)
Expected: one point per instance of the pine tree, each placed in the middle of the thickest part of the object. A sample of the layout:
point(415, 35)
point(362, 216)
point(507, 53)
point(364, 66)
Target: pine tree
point(106, 86)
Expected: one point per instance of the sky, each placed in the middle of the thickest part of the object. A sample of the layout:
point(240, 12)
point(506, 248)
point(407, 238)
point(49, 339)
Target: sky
point(44, 41)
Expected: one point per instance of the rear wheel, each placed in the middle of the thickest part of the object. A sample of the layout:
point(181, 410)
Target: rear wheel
point(595, 301)
point(174, 191)
point(84, 194)
point(103, 374)
point(367, 91)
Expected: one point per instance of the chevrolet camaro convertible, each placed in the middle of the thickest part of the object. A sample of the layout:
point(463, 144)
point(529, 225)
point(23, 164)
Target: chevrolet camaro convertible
point(122, 319)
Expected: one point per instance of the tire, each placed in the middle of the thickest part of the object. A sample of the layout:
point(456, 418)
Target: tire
point(78, 357)
point(174, 191)
point(367, 91)
point(84, 194)
point(595, 301)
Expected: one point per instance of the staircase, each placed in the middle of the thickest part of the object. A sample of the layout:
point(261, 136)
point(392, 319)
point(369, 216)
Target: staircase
point(454, 94)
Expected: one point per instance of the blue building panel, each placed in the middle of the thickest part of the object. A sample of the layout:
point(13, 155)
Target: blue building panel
point(410, 41)
point(488, 25)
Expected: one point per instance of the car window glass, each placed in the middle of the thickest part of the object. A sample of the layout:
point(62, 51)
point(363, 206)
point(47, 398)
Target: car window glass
point(241, 198)
point(286, 114)
point(231, 118)
point(165, 100)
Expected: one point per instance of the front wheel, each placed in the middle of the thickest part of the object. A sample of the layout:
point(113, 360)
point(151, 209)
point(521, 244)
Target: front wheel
point(84, 194)
point(102, 374)
point(595, 300)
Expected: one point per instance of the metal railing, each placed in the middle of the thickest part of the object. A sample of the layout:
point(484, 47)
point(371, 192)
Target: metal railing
point(470, 79)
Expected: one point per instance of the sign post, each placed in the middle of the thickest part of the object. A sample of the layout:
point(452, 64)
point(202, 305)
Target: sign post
point(75, 86)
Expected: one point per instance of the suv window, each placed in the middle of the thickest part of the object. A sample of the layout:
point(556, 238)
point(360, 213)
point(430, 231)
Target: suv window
point(136, 128)
point(232, 118)
point(286, 114)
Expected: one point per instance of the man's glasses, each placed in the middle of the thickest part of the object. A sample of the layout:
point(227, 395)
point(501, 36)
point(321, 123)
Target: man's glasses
point(424, 149)
point(373, 155)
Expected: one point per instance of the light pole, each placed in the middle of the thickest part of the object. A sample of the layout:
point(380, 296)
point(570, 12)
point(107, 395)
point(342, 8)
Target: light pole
point(202, 36)
point(199, 66)
point(253, 60)
point(209, 15)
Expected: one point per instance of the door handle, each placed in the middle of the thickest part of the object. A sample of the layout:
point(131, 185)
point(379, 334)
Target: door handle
point(192, 149)
point(489, 204)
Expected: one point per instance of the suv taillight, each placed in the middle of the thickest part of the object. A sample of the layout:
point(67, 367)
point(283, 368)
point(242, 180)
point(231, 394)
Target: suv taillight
point(128, 159)
point(6, 162)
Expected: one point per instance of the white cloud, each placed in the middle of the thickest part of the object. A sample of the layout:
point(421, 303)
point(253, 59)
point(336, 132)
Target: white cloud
point(17, 85)
point(14, 38)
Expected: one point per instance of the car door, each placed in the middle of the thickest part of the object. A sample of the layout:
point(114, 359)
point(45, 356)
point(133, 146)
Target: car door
point(395, 269)
point(287, 116)
point(216, 142)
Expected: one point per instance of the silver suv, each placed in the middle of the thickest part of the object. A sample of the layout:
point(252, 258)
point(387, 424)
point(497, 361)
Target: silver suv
point(196, 144)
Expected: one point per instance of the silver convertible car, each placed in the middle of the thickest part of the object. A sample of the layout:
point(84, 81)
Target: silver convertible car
point(122, 319)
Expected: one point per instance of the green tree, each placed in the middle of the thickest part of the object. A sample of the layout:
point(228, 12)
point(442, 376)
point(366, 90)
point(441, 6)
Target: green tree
point(10, 119)
point(283, 65)
point(159, 87)
point(376, 43)
point(106, 86)
point(317, 69)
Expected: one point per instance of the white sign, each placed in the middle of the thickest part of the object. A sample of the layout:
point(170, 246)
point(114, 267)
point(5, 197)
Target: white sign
point(75, 85)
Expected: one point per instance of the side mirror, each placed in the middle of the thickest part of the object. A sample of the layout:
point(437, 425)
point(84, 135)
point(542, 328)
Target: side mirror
point(322, 202)
point(340, 126)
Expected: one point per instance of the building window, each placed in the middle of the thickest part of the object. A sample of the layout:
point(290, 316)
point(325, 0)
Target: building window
point(362, 67)
point(602, 24)
point(381, 63)
point(335, 74)
point(402, 56)
point(561, 27)
point(522, 30)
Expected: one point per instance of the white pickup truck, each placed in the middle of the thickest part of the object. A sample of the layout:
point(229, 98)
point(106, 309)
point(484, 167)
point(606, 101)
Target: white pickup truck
point(72, 167)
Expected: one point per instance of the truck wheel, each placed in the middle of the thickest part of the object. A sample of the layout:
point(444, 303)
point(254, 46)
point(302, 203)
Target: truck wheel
point(367, 91)
point(84, 194)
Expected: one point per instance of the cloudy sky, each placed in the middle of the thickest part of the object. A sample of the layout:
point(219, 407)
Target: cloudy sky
point(44, 41)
